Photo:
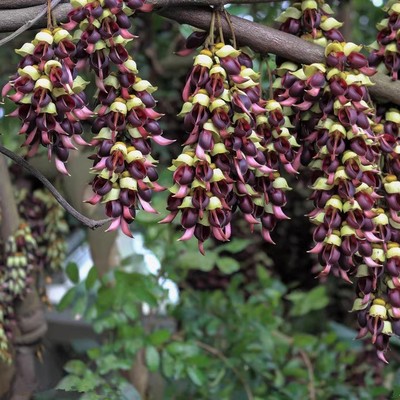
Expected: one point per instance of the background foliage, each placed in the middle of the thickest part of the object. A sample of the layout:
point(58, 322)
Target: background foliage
point(251, 322)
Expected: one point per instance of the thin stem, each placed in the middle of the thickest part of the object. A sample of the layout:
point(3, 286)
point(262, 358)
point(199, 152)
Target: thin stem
point(221, 33)
point(90, 223)
point(49, 23)
point(212, 27)
point(221, 356)
point(31, 22)
point(311, 378)
point(270, 79)
point(228, 20)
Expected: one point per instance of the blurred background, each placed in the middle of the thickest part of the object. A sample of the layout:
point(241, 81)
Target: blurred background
point(151, 318)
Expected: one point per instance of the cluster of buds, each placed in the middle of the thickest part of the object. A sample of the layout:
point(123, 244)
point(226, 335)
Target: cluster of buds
point(46, 219)
point(227, 161)
point(350, 148)
point(5, 355)
point(385, 50)
point(301, 89)
point(346, 164)
point(125, 119)
point(300, 93)
point(49, 94)
point(19, 262)
point(312, 21)
point(16, 267)
point(103, 29)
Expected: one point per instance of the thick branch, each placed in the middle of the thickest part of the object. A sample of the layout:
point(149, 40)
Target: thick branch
point(20, 161)
point(175, 3)
point(29, 24)
point(264, 39)
point(9, 212)
point(260, 38)
point(7, 4)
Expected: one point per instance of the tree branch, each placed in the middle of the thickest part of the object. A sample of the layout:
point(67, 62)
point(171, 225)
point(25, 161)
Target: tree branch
point(9, 215)
point(175, 3)
point(7, 4)
point(92, 224)
point(29, 24)
point(264, 39)
point(260, 38)
point(215, 352)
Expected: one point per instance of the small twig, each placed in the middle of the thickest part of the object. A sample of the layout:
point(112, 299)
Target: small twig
point(304, 356)
point(228, 20)
point(311, 378)
point(90, 223)
point(270, 79)
point(221, 33)
point(30, 23)
point(49, 22)
point(221, 356)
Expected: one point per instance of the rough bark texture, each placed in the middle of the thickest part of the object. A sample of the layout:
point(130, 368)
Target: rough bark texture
point(31, 325)
point(260, 38)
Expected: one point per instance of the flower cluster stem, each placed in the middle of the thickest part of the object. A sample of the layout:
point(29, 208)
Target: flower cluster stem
point(90, 223)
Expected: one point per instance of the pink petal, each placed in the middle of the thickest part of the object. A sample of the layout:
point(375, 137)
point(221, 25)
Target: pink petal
point(114, 225)
point(317, 248)
point(169, 218)
point(266, 234)
point(95, 199)
point(188, 234)
point(125, 228)
point(146, 206)
point(61, 167)
point(162, 141)
point(279, 213)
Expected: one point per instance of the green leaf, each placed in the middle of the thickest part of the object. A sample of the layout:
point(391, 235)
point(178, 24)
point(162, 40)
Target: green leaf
point(304, 340)
point(72, 272)
point(196, 376)
point(192, 260)
point(67, 299)
point(129, 392)
point(234, 246)
point(227, 265)
point(152, 358)
point(90, 396)
point(131, 310)
point(69, 383)
point(91, 278)
point(76, 367)
point(159, 337)
point(305, 302)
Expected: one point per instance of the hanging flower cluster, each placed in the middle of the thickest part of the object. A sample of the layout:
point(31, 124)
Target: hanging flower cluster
point(312, 21)
point(385, 55)
point(125, 118)
point(16, 267)
point(348, 146)
point(46, 219)
point(49, 94)
point(227, 161)
point(378, 304)
point(302, 88)
point(346, 178)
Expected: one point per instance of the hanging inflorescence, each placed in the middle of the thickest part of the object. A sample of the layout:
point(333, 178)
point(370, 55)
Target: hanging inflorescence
point(125, 121)
point(229, 158)
point(16, 267)
point(238, 146)
point(352, 148)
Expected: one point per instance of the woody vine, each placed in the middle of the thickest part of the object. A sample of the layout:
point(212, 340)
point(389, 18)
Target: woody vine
point(332, 113)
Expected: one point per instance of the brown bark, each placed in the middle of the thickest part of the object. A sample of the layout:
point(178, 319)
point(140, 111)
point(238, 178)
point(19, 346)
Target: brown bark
point(31, 324)
point(260, 38)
